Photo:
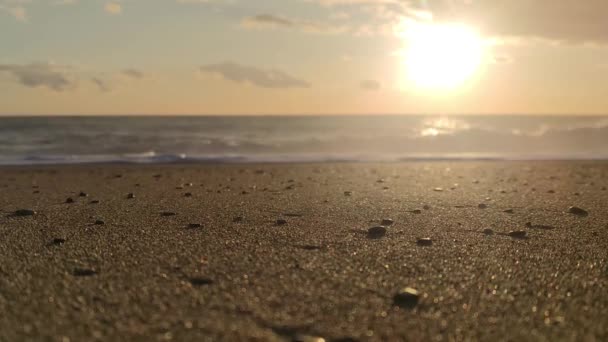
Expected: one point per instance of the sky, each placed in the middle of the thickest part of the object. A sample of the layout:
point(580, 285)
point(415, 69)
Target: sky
point(63, 57)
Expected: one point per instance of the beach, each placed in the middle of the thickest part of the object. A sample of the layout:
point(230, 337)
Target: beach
point(283, 252)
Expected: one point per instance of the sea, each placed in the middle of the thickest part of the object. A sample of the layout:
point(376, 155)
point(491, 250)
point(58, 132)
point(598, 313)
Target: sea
point(251, 139)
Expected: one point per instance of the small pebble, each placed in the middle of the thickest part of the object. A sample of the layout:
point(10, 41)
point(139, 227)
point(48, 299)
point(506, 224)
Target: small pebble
point(488, 231)
point(58, 241)
point(509, 211)
point(281, 222)
point(100, 222)
point(69, 200)
point(406, 298)
point(200, 281)
point(25, 212)
point(518, 234)
point(376, 232)
point(578, 211)
point(95, 202)
point(84, 272)
point(416, 211)
point(167, 213)
point(130, 195)
point(424, 242)
point(482, 206)
point(551, 191)
point(426, 207)
point(438, 189)
point(195, 225)
point(348, 193)
point(188, 194)
point(387, 222)
point(83, 194)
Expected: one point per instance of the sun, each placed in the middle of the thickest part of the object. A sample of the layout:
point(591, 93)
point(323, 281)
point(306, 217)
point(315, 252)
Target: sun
point(442, 56)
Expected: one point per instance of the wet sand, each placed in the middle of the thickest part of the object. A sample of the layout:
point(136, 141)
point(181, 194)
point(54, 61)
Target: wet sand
point(282, 252)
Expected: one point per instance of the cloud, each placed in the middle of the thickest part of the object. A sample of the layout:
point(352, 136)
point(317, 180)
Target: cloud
point(133, 73)
point(265, 78)
point(568, 21)
point(113, 8)
point(271, 21)
point(101, 84)
point(44, 75)
point(370, 85)
point(14, 9)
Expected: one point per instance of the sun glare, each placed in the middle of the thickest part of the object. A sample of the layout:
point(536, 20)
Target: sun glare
point(442, 56)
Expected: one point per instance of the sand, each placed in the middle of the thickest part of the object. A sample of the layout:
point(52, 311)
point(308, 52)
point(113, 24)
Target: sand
point(220, 264)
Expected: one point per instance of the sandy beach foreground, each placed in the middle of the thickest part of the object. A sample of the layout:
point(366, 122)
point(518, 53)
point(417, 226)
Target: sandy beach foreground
point(491, 251)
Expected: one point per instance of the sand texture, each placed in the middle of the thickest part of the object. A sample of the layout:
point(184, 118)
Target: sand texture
point(284, 253)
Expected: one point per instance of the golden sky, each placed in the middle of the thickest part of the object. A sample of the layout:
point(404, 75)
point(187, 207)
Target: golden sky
point(303, 56)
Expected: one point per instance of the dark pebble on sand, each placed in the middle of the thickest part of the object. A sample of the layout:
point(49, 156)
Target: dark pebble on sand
point(376, 232)
point(25, 212)
point(518, 234)
point(348, 193)
point(578, 211)
point(281, 222)
point(551, 191)
point(188, 194)
point(95, 202)
point(167, 213)
point(83, 194)
point(130, 195)
point(200, 281)
point(195, 225)
point(488, 231)
point(387, 222)
point(69, 200)
point(84, 272)
point(58, 241)
point(508, 211)
point(482, 206)
point(426, 207)
point(424, 242)
point(406, 298)
point(416, 211)
point(100, 222)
